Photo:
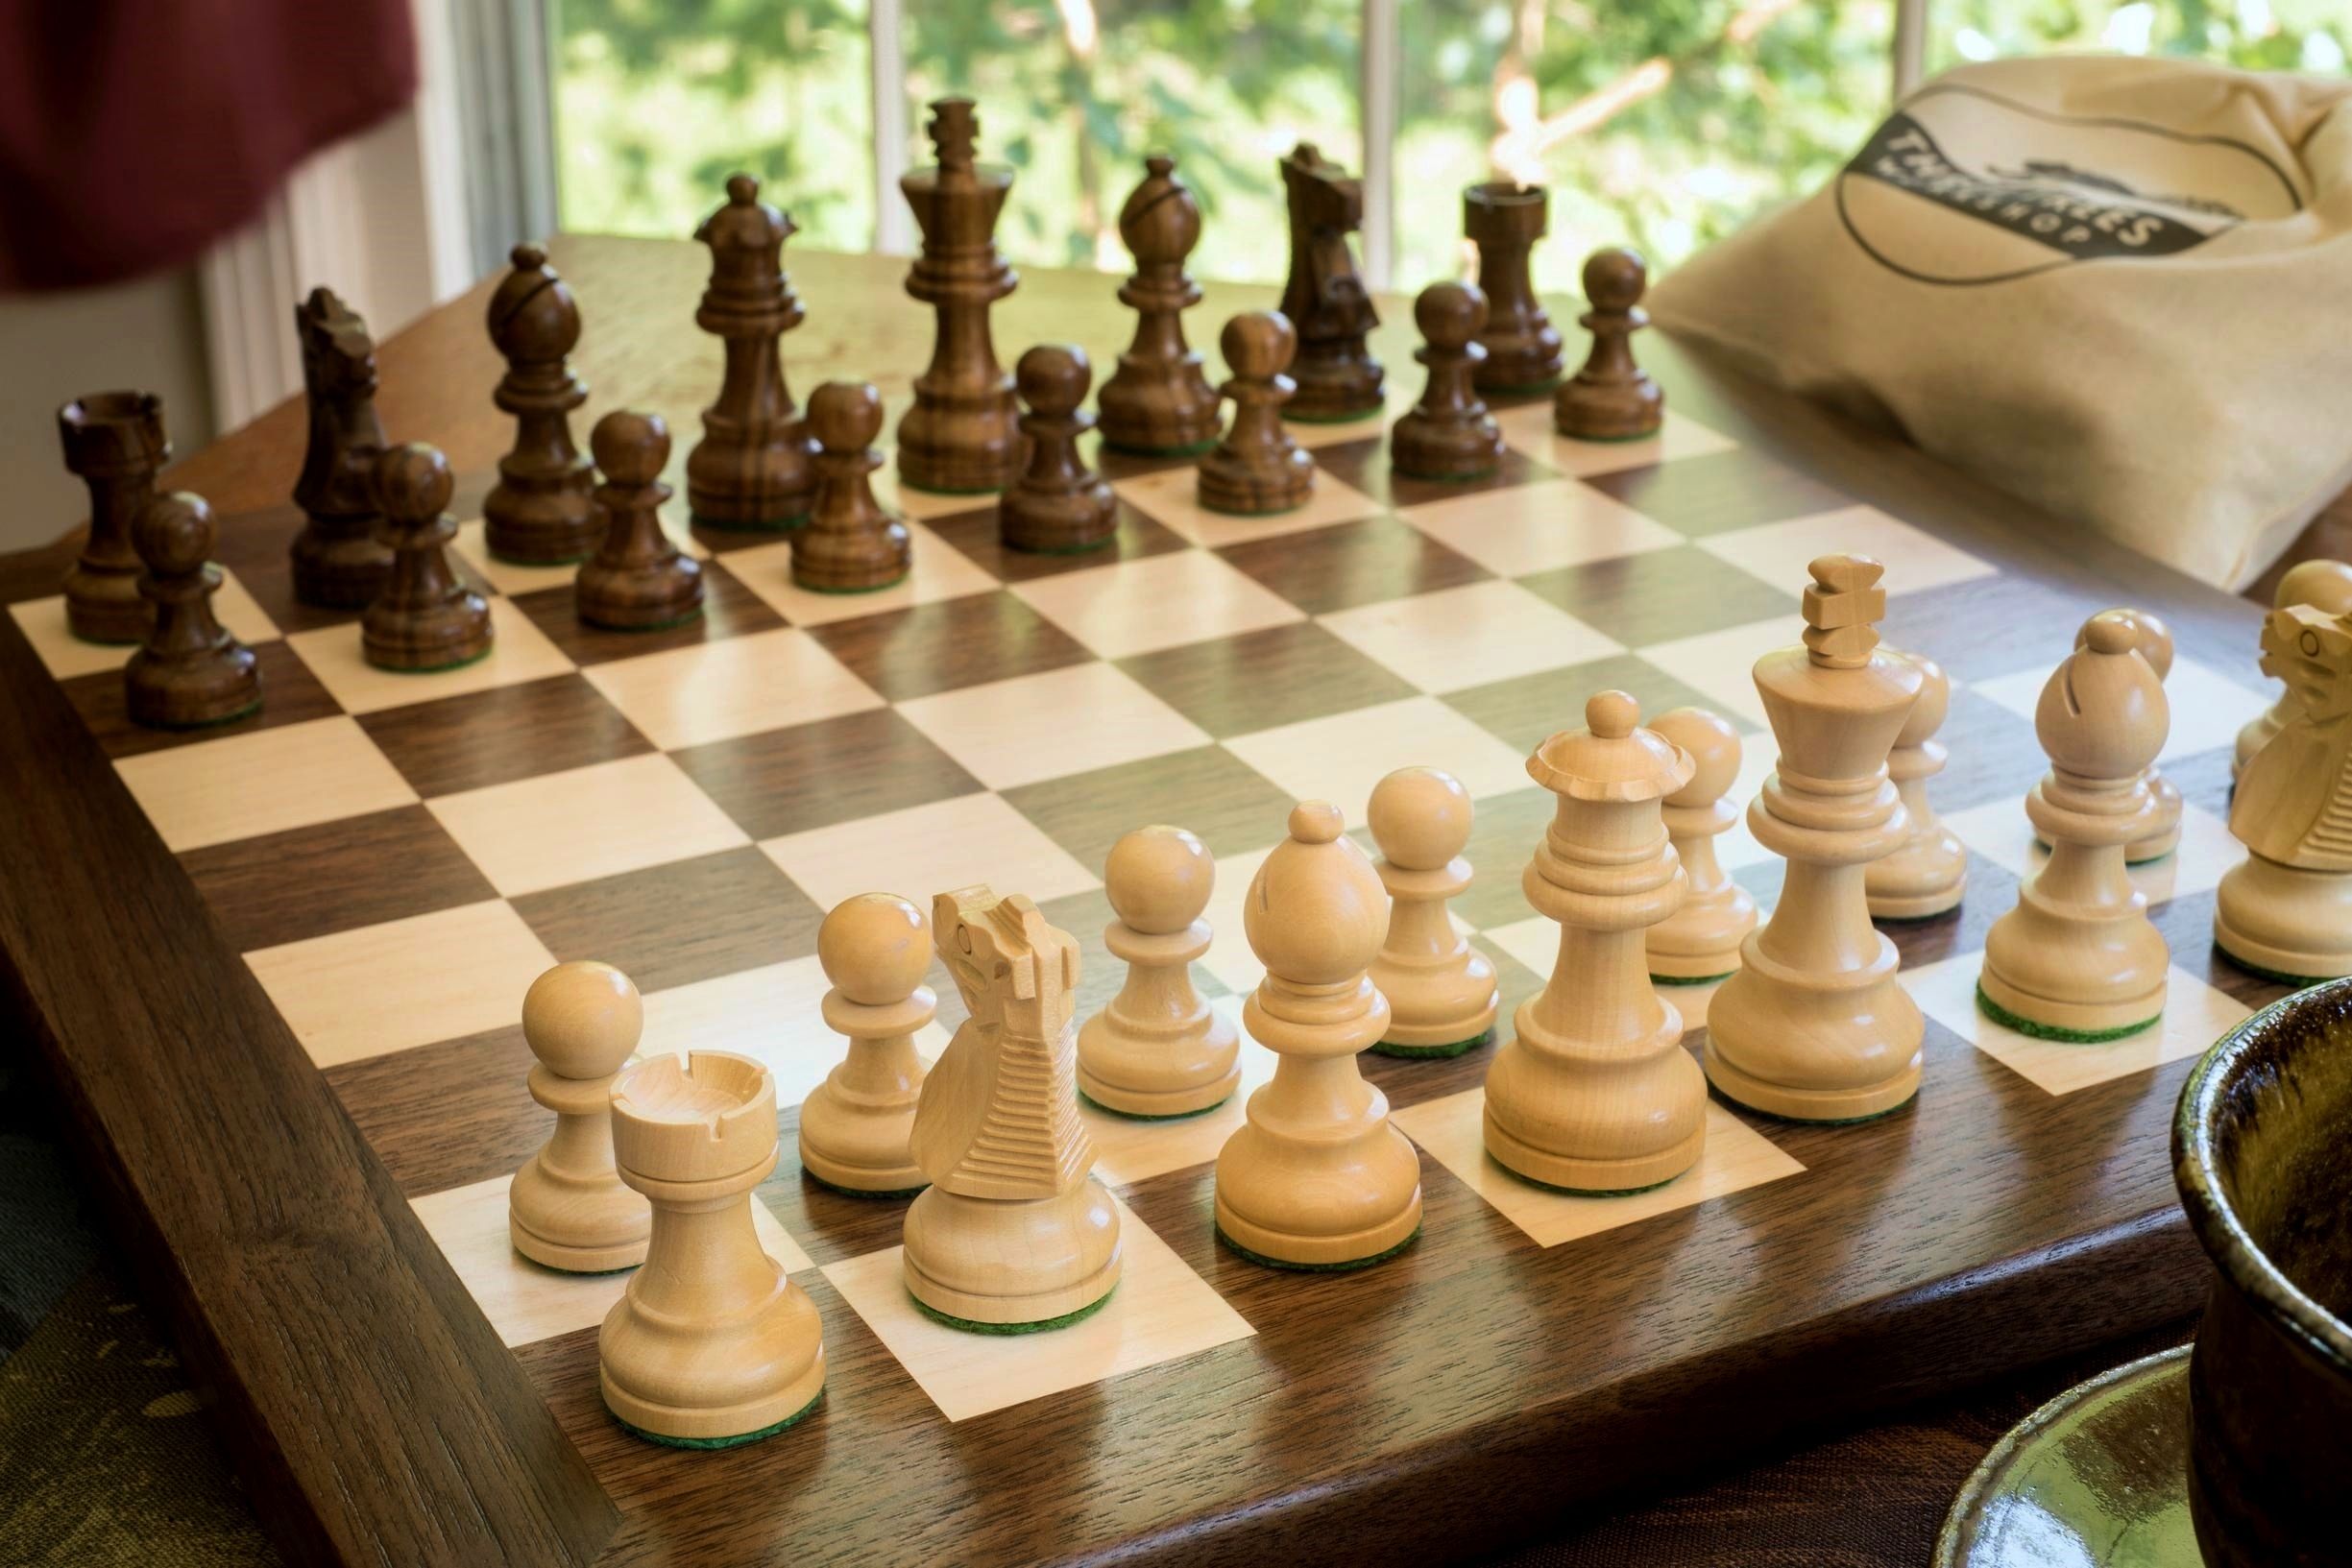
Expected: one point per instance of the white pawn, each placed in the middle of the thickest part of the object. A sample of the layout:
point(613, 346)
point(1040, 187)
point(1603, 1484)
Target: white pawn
point(1700, 941)
point(567, 1208)
point(1441, 990)
point(1318, 1178)
point(855, 1128)
point(1929, 873)
point(711, 1344)
point(1158, 1049)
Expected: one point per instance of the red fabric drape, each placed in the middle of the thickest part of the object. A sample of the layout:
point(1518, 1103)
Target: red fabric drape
point(135, 133)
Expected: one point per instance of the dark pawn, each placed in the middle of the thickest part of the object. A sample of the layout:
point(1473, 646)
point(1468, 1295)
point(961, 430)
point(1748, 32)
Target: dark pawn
point(1059, 504)
point(425, 618)
point(637, 579)
point(189, 671)
point(541, 511)
point(114, 442)
point(1612, 399)
point(1257, 468)
point(1158, 401)
point(851, 545)
point(750, 470)
point(339, 561)
point(1449, 434)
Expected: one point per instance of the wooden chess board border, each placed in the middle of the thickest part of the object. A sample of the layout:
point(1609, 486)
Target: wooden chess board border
point(377, 1417)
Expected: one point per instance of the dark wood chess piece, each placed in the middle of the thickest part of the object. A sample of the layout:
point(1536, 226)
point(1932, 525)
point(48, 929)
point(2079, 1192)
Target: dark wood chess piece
point(1257, 468)
point(1449, 434)
point(961, 436)
point(851, 545)
point(1159, 402)
point(339, 561)
point(1612, 399)
point(1504, 220)
point(542, 511)
point(751, 469)
point(114, 441)
point(1325, 299)
point(189, 671)
point(637, 579)
point(1059, 504)
point(426, 618)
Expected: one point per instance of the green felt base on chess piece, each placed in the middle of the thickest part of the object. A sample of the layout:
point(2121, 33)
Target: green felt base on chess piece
point(1278, 512)
point(851, 592)
point(753, 525)
point(2008, 1020)
point(1650, 434)
point(1717, 1090)
point(1191, 449)
point(1041, 1326)
point(245, 712)
point(905, 483)
point(687, 619)
point(438, 669)
point(1590, 1191)
point(1341, 1267)
point(860, 1191)
point(1691, 980)
point(1087, 549)
point(1085, 1098)
point(738, 1441)
point(1460, 1048)
point(1448, 478)
point(562, 561)
point(2298, 981)
point(1532, 389)
point(1353, 415)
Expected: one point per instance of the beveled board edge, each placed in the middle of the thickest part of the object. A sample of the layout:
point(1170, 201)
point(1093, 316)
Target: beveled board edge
point(367, 1402)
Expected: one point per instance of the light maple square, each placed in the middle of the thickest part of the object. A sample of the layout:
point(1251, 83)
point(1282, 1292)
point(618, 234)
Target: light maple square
point(1046, 726)
point(1720, 665)
point(1528, 428)
point(939, 572)
point(732, 687)
point(1452, 1129)
point(263, 781)
point(1340, 757)
point(570, 827)
point(773, 1014)
point(1159, 1312)
point(405, 982)
point(1228, 956)
point(2195, 1016)
point(1779, 552)
point(1172, 496)
point(524, 1301)
point(65, 656)
point(1459, 638)
point(1155, 602)
point(519, 652)
point(2207, 707)
point(929, 849)
point(1536, 527)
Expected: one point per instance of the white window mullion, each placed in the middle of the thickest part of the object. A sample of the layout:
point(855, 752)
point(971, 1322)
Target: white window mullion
point(1381, 48)
point(893, 223)
point(1910, 44)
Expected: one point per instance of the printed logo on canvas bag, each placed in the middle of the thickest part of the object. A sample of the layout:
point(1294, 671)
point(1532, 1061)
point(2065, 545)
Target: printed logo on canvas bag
point(1960, 186)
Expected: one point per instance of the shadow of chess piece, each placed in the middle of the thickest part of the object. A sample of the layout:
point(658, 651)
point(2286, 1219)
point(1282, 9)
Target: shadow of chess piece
point(1325, 298)
point(1612, 399)
point(114, 444)
point(752, 468)
point(426, 618)
point(850, 545)
point(1158, 402)
point(1059, 504)
point(1929, 873)
point(639, 579)
point(339, 561)
point(189, 671)
point(2077, 957)
point(567, 1207)
point(960, 437)
point(1257, 468)
point(1449, 434)
point(541, 511)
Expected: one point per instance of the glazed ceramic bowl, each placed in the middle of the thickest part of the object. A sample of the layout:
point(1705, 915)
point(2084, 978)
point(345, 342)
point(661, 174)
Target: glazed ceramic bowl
point(2262, 1149)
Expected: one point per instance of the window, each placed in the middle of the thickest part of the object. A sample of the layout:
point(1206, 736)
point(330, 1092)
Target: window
point(1660, 123)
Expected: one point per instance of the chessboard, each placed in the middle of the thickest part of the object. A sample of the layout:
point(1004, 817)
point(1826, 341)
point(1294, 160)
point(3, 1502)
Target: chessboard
point(356, 884)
